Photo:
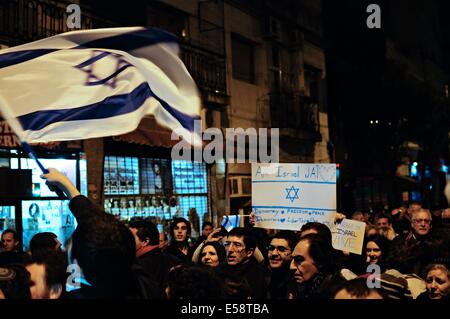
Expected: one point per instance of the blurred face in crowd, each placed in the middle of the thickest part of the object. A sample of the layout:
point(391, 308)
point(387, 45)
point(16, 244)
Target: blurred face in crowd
point(302, 263)
point(359, 216)
point(373, 253)
point(279, 253)
point(438, 283)
point(38, 285)
point(139, 243)
point(421, 222)
point(207, 230)
point(209, 256)
point(9, 243)
point(180, 231)
point(236, 251)
point(383, 223)
point(414, 208)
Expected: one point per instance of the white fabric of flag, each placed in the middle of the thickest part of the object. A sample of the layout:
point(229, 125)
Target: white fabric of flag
point(96, 83)
point(231, 221)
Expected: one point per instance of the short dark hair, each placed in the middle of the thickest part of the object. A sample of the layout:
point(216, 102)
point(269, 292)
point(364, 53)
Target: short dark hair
point(103, 247)
point(321, 251)
point(193, 282)
point(321, 229)
point(55, 263)
point(358, 288)
point(382, 215)
point(146, 230)
point(41, 243)
point(287, 235)
point(248, 238)
point(207, 224)
point(176, 221)
point(15, 282)
point(11, 231)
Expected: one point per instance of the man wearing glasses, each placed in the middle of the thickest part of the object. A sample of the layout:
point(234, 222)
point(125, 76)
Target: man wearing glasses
point(241, 273)
point(279, 255)
point(408, 251)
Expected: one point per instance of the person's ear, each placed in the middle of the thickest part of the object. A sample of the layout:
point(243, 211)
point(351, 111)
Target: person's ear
point(146, 242)
point(249, 252)
point(56, 291)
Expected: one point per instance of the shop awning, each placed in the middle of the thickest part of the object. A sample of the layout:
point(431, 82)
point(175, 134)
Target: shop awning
point(148, 133)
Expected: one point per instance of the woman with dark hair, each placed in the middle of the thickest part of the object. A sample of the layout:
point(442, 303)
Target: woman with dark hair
point(180, 231)
point(437, 282)
point(212, 254)
point(375, 250)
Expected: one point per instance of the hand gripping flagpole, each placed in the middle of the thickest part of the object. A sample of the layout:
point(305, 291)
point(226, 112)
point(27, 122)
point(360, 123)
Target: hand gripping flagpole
point(29, 150)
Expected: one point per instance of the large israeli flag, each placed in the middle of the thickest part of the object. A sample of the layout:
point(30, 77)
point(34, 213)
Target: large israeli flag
point(95, 83)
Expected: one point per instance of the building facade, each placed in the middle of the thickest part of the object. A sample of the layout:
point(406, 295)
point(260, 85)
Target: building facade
point(257, 64)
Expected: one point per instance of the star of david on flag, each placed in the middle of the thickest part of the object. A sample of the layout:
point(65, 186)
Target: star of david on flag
point(292, 193)
point(96, 83)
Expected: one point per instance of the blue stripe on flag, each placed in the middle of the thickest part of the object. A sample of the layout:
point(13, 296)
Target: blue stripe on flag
point(124, 42)
point(12, 58)
point(111, 106)
point(132, 40)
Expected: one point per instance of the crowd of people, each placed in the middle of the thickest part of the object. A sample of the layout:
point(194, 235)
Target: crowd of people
point(406, 255)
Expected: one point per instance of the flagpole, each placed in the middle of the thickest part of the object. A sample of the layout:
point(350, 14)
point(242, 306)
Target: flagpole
point(29, 150)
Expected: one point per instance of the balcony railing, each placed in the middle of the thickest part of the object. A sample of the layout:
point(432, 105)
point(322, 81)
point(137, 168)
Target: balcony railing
point(292, 110)
point(208, 69)
point(23, 21)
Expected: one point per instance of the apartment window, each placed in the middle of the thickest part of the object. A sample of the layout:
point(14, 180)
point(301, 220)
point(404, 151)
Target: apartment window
point(243, 59)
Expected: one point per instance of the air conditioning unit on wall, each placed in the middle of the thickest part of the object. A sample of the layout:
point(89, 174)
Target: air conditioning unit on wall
point(240, 186)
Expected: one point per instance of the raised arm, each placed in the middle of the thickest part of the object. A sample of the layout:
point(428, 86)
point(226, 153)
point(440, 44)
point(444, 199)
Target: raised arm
point(55, 177)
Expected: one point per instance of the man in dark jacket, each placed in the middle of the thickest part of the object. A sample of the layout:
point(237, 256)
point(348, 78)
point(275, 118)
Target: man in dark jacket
point(279, 256)
point(242, 274)
point(148, 253)
point(103, 247)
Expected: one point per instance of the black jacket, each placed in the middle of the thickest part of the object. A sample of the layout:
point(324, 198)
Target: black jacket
point(158, 264)
point(251, 274)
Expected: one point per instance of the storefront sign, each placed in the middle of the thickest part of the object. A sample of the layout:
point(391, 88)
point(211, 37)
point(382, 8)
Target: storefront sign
point(7, 136)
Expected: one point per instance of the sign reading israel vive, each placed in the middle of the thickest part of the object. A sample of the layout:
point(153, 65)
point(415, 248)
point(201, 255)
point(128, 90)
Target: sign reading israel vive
point(348, 235)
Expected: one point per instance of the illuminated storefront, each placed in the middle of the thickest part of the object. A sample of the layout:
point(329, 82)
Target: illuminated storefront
point(39, 210)
point(150, 185)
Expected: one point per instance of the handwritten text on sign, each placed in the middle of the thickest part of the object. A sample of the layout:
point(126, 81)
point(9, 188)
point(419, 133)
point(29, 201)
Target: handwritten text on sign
point(286, 196)
point(348, 236)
